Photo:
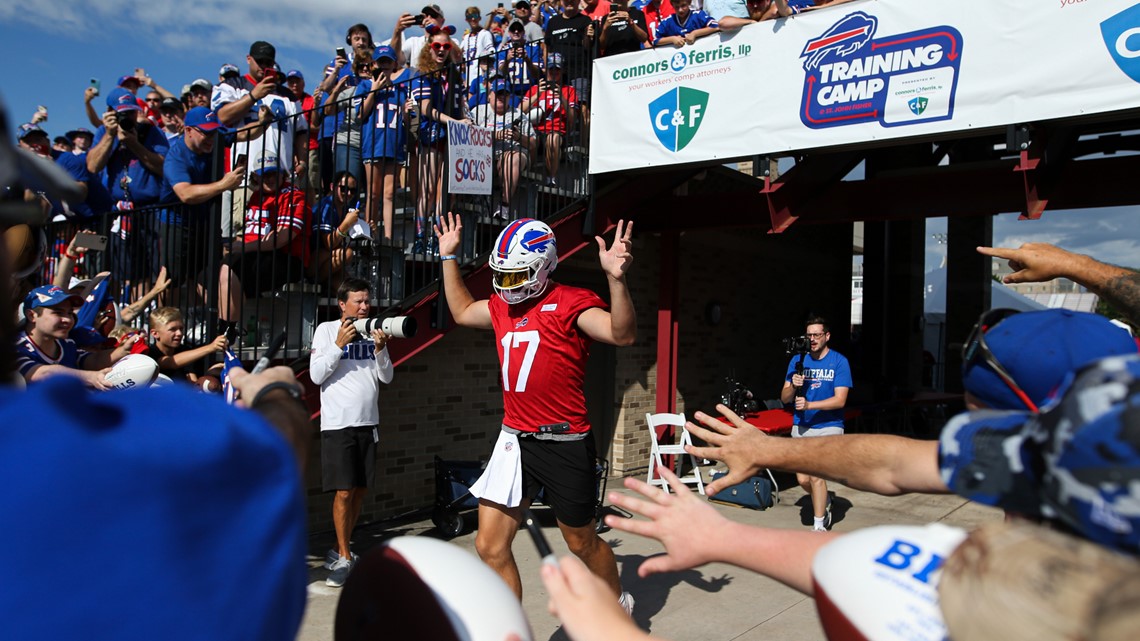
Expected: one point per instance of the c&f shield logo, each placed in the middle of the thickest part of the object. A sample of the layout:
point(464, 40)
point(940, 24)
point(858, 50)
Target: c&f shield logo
point(677, 115)
point(855, 75)
point(1122, 37)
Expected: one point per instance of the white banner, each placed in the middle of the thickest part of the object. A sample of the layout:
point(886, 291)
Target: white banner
point(469, 160)
point(864, 71)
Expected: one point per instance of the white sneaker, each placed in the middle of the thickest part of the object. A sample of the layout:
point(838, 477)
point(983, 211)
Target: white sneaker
point(819, 528)
point(626, 602)
point(340, 570)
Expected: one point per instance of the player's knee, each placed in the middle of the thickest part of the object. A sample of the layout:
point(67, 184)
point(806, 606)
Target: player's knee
point(493, 551)
point(582, 541)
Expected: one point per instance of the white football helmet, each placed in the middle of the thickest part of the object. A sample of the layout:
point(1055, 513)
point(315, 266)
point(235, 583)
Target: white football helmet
point(522, 260)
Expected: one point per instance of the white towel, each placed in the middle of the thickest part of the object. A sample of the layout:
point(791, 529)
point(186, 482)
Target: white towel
point(501, 482)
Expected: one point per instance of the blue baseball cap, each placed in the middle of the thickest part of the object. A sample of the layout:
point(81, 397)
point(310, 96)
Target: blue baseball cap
point(229, 69)
point(384, 51)
point(1077, 463)
point(500, 84)
point(125, 79)
point(1039, 349)
point(295, 73)
point(49, 296)
point(202, 119)
point(122, 100)
point(432, 29)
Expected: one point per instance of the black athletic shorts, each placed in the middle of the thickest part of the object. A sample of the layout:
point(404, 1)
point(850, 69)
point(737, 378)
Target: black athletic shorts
point(566, 470)
point(348, 458)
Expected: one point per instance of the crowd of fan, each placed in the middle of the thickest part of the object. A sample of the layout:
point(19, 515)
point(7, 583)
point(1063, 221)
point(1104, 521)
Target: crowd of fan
point(300, 175)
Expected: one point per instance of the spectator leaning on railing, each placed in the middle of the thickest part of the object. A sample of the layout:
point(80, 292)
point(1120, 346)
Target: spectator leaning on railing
point(685, 26)
point(656, 11)
point(187, 178)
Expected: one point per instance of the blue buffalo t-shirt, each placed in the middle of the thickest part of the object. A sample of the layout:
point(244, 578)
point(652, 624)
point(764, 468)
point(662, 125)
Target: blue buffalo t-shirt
point(822, 377)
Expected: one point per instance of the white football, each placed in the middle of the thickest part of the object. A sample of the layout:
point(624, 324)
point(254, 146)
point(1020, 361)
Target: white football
point(881, 583)
point(415, 587)
point(132, 372)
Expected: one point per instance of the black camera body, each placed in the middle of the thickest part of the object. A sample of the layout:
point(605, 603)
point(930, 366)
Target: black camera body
point(418, 20)
point(126, 120)
point(797, 345)
point(739, 398)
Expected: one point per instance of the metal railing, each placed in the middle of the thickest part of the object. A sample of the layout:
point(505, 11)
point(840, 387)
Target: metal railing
point(397, 157)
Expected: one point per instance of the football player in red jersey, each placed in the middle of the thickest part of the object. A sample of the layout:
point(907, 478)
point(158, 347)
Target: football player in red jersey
point(544, 331)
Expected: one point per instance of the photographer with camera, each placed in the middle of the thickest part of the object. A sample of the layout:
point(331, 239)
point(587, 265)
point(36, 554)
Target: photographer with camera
point(349, 367)
point(623, 29)
point(519, 61)
point(817, 382)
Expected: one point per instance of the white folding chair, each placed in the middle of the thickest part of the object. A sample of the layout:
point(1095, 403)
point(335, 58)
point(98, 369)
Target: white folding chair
point(658, 450)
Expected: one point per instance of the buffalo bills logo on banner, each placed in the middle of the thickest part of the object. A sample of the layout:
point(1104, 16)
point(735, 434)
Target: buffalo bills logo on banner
point(853, 77)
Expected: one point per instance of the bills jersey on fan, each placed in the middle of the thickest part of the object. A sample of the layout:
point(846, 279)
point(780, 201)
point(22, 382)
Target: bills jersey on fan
point(29, 355)
point(543, 357)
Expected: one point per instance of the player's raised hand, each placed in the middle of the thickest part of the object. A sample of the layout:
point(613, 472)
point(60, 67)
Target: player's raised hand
point(617, 258)
point(449, 230)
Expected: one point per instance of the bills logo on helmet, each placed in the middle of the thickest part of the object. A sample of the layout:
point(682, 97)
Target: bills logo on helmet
point(537, 240)
point(854, 75)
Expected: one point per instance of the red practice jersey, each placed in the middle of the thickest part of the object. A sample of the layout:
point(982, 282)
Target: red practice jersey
point(543, 356)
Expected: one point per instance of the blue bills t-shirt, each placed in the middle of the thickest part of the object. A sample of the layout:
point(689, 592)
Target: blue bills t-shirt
point(821, 379)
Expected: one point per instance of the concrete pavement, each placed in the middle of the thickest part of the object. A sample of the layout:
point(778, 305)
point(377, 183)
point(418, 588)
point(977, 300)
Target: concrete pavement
point(711, 603)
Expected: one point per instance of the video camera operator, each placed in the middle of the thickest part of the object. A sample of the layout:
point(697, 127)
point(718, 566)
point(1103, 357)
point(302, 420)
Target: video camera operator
point(817, 382)
point(349, 368)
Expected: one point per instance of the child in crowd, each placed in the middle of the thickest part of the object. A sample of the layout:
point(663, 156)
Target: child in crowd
point(179, 361)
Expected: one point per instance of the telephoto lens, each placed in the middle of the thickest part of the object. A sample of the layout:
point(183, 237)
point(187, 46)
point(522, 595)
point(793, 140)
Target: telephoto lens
point(394, 326)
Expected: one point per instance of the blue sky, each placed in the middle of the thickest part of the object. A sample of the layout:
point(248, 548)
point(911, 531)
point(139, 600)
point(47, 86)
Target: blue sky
point(52, 48)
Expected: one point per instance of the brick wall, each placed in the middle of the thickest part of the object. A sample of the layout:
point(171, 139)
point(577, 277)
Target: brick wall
point(447, 401)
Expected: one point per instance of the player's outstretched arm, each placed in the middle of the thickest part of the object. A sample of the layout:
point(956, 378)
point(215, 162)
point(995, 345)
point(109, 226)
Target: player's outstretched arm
point(619, 325)
point(466, 311)
point(1039, 262)
point(694, 534)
